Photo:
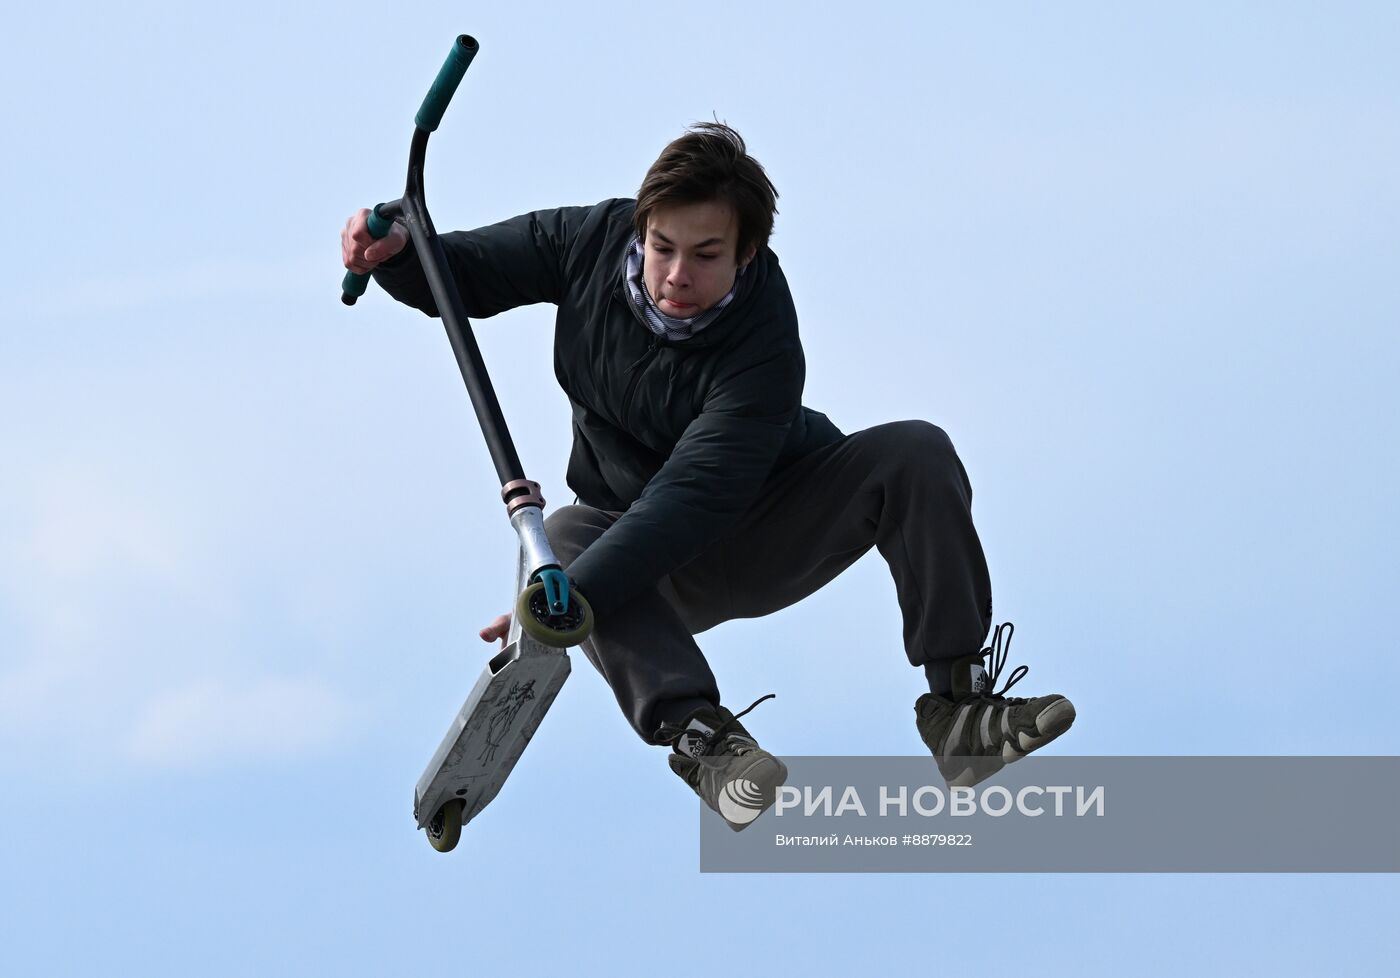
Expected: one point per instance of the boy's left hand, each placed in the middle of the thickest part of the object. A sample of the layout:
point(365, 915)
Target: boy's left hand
point(496, 630)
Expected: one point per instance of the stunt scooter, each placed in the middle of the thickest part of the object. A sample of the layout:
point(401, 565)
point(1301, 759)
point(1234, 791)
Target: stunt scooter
point(519, 684)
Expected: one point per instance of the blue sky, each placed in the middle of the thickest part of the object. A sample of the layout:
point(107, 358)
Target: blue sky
point(1139, 264)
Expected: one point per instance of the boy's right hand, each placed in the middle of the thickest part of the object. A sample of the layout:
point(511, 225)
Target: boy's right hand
point(361, 251)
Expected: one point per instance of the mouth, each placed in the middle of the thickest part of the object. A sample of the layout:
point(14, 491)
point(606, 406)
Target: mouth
point(681, 305)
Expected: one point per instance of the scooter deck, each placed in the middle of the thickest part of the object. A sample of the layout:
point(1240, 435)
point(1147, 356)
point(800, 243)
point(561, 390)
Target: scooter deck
point(492, 729)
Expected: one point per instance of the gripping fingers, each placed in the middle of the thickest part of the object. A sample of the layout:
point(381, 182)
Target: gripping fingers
point(354, 239)
point(498, 629)
point(360, 250)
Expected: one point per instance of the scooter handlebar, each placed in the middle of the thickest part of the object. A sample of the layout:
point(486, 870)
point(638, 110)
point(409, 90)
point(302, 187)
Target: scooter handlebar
point(429, 115)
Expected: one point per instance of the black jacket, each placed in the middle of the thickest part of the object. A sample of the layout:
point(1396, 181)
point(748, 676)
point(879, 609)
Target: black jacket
point(680, 435)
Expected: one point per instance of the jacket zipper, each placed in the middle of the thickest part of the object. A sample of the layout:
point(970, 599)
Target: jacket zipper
point(635, 376)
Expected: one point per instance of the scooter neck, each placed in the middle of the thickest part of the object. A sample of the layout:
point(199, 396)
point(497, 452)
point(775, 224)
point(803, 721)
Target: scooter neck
point(454, 318)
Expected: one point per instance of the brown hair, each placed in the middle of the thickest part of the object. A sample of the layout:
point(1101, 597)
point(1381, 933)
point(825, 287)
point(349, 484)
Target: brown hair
point(710, 162)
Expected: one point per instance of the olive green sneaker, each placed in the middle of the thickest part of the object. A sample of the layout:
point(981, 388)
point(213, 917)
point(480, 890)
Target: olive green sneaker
point(723, 764)
point(975, 731)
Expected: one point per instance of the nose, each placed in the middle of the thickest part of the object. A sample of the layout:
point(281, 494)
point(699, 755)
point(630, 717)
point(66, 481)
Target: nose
point(678, 275)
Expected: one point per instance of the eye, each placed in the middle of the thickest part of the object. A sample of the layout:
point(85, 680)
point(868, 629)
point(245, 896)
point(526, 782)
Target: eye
point(707, 257)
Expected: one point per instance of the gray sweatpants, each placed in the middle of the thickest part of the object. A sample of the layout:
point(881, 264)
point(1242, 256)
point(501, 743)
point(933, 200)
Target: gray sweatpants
point(899, 487)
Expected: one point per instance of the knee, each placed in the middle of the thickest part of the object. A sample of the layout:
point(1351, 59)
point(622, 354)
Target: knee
point(925, 440)
point(911, 441)
point(919, 451)
point(571, 529)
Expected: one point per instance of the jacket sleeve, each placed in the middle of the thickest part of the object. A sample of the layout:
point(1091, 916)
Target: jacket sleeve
point(710, 480)
point(514, 263)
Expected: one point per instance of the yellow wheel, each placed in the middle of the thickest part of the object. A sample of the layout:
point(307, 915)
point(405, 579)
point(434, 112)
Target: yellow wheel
point(446, 827)
point(557, 631)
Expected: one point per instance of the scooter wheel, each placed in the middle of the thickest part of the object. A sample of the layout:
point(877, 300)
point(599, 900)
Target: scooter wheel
point(446, 827)
point(556, 631)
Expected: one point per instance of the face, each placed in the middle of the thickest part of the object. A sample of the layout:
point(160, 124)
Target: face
point(690, 259)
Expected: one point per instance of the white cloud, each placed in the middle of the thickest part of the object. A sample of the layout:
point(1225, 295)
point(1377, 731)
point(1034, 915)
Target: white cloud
point(126, 622)
point(84, 522)
point(221, 718)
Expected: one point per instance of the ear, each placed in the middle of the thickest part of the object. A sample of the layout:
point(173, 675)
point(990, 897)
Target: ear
point(744, 263)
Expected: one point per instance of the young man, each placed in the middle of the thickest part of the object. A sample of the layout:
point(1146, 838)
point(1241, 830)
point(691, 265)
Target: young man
point(706, 490)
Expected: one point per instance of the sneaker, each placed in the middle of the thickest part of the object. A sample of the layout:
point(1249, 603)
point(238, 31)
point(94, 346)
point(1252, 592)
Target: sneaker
point(723, 764)
point(976, 731)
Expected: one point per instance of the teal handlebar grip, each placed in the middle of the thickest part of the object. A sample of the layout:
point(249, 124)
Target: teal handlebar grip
point(445, 85)
point(354, 284)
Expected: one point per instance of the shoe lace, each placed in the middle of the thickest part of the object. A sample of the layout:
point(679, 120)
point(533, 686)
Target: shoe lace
point(670, 732)
point(999, 651)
